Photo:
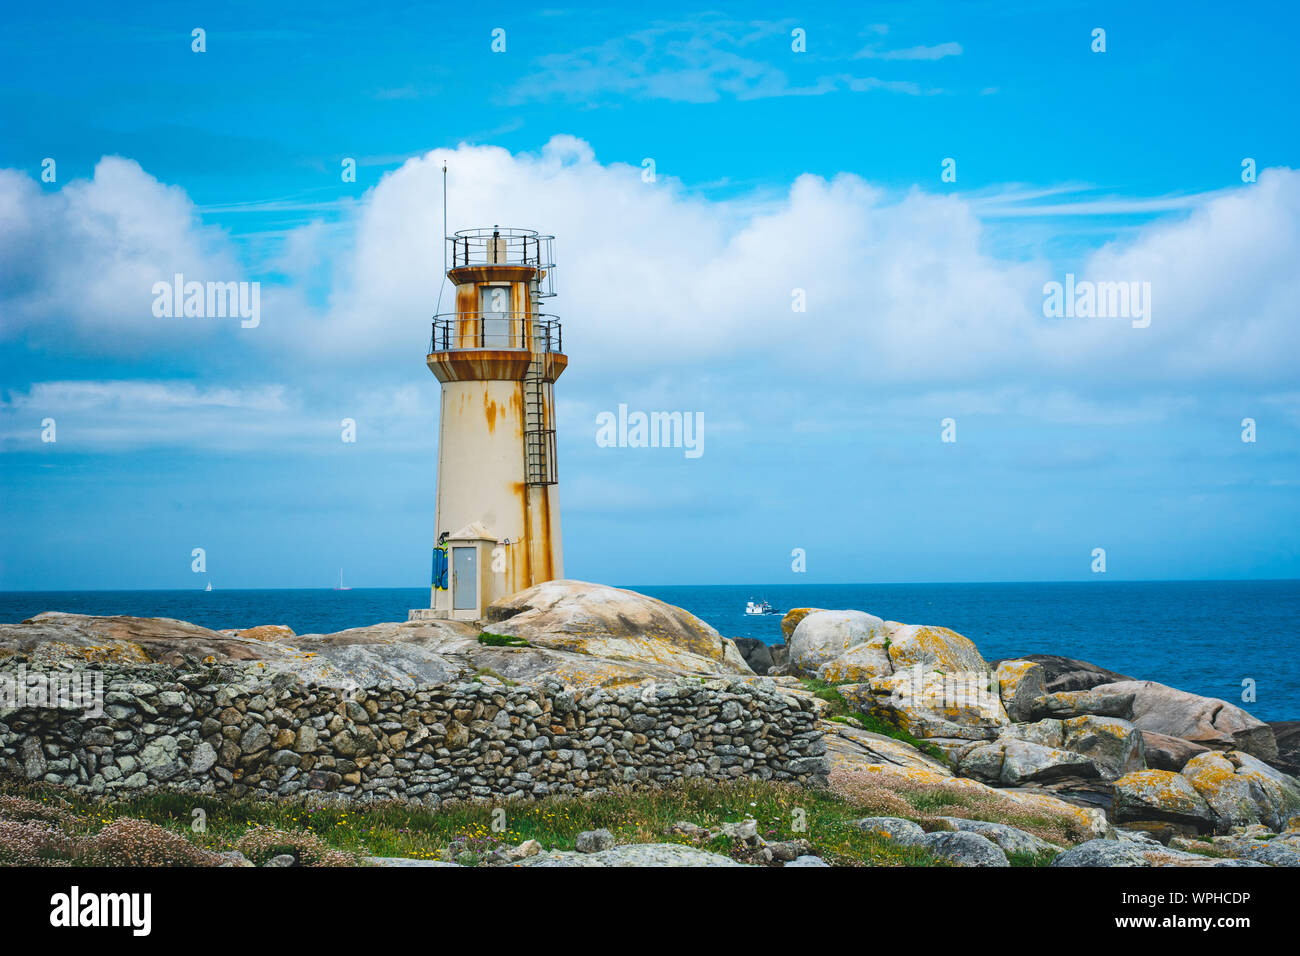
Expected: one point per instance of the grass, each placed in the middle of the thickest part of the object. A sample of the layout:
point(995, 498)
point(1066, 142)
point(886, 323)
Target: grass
point(501, 640)
point(784, 811)
point(892, 794)
point(840, 709)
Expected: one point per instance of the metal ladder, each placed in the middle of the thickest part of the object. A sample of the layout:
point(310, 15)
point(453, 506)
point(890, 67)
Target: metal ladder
point(539, 438)
point(539, 433)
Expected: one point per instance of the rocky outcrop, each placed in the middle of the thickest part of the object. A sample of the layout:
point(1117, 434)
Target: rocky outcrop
point(1065, 673)
point(1080, 703)
point(596, 620)
point(1010, 839)
point(840, 646)
point(1136, 853)
point(929, 704)
point(1160, 795)
point(1242, 790)
point(1020, 685)
point(824, 636)
point(1287, 735)
point(1208, 721)
point(581, 634)
point(852, 748)
point(756, 654)
point(792, 619)
point(1012, 763)
point(1164, 752)
point(1114, 746)
point(964, 848)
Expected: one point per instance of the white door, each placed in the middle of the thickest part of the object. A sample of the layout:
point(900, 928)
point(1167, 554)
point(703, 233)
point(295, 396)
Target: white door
point(464, 580)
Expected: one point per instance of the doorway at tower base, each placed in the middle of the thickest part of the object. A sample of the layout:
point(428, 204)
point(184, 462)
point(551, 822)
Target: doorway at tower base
point(470, 572)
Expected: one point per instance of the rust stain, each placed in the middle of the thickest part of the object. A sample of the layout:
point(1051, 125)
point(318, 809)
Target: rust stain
point(490, 409)
point(545, 504)
point(525, 546)
point(467, 276)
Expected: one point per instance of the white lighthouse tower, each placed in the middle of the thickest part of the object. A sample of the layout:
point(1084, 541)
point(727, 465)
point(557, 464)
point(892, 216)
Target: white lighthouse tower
point(497, 357)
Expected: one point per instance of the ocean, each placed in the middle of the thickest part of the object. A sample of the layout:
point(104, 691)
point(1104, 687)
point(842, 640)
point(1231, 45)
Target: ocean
point(1202, 636)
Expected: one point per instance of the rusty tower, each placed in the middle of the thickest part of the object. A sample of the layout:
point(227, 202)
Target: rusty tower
point(497, 357)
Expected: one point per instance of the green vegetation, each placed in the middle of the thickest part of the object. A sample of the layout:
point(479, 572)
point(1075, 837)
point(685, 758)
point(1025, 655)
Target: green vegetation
point(1031, 859)
point(338, 835)
point(841, 711)
point(501, 640)
point(482, 672)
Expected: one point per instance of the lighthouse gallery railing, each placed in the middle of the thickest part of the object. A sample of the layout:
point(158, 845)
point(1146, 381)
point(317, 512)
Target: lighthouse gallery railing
point(495, 330)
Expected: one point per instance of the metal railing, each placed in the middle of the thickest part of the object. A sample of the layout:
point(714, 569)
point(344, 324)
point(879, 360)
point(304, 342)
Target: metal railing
point(506, 247)
point(537, 331)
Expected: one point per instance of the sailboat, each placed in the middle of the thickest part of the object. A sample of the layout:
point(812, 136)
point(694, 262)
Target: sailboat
point(209, 587)
point(341, 587)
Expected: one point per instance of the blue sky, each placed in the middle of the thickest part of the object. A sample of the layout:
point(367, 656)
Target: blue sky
point(775, 170)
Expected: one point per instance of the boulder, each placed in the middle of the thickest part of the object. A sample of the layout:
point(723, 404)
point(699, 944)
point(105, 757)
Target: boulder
point(1078, 703)
point(853, 748)
point(1287, 735)
point(264, 632)
point(1114, 745)
point(964, 849)
point(1049, 732)
point(1009, 838)
point(1132, 853)
point(1103, 853)
point(1012, 763)
point(601, 621)
point(593, 841)
point(792, 619)
point(1065, 673)
point(893, 828)
point(1242, 790)
point(1209, 721)
point(1020, 684)
point(756, 654)
point(934, 648)
point(823, 636)
point(933, 704)
point(858, 663)
point(1169, 753)
point(1160, 795)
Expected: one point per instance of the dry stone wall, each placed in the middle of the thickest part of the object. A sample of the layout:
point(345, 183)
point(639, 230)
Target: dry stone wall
point(231, 730)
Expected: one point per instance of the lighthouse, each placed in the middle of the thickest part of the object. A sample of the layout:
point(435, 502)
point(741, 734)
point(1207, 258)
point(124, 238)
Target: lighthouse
point(497, 357)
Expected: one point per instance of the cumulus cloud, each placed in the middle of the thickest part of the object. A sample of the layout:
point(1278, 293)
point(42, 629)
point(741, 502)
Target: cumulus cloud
point(79, 263)
point(899, 288)
point(658, 284)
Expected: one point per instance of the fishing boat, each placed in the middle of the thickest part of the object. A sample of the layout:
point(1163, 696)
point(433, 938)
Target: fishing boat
point(341, 587)
point(760, 607)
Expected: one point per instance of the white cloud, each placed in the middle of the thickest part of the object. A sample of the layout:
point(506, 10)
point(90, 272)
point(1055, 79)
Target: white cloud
point(659, 284)
point(935, 52)
point(80, 262)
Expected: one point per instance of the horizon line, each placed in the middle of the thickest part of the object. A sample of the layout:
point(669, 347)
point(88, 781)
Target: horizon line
point(422, 587)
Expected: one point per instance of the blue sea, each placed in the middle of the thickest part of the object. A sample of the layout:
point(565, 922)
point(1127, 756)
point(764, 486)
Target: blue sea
point(1202, 636)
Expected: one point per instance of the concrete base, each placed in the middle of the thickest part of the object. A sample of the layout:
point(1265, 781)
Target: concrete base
point(427, 614)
